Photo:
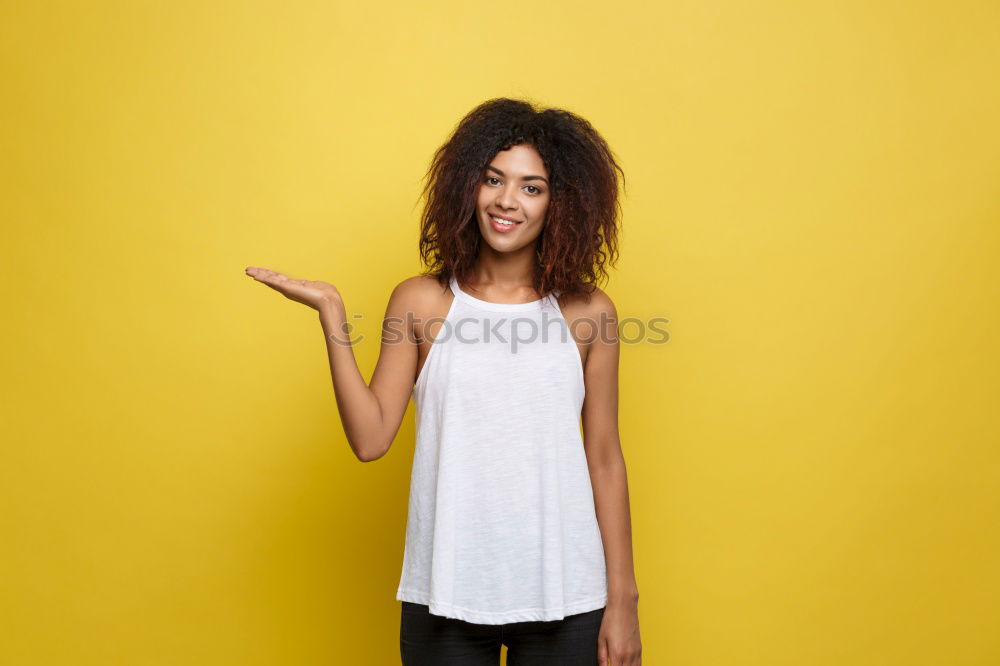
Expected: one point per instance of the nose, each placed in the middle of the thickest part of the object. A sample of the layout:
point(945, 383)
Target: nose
point(505, 198)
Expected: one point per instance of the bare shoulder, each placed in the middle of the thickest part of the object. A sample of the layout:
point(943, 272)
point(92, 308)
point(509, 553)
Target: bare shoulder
point(590, 309)
point(601, 304)
point(420, 298)
point(418, 291)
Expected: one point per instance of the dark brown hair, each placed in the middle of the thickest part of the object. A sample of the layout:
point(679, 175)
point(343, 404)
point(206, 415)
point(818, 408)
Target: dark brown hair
point(580, 235)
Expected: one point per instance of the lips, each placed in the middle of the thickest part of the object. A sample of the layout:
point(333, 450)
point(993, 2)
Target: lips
point(503, 228)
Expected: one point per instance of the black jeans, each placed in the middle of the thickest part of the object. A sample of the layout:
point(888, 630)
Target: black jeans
point(433, 640)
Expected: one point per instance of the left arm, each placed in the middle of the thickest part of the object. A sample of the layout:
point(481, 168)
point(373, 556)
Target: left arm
point(620, 628)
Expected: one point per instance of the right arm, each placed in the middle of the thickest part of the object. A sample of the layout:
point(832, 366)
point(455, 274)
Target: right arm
point(371, 415)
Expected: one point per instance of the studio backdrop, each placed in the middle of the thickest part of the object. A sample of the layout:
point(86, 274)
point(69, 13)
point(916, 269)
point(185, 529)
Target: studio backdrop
point(810, 211)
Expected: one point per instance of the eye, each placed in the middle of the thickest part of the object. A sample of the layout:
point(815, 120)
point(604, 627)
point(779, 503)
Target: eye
point(536, 190)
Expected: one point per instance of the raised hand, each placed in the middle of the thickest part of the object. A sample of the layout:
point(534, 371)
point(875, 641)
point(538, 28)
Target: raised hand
point(308, 292)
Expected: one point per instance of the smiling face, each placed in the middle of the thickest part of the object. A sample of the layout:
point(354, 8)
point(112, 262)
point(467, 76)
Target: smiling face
point(515, 187)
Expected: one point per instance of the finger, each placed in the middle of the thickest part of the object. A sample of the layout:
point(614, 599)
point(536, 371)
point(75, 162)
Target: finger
point(261, 272)
point(258, 272)
point(268, 276)
point(276, 281)
point(602, 652)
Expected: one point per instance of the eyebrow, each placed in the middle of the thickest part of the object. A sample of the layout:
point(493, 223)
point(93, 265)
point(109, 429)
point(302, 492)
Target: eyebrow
point(493, 168)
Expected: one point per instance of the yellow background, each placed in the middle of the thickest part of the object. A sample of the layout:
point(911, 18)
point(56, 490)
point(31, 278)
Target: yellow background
point(812, 201)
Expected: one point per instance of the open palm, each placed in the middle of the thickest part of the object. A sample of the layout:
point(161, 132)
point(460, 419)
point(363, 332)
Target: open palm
point(308, 292)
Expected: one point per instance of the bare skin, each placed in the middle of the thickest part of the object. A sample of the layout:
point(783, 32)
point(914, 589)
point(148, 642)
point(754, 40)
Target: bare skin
point(372, 413)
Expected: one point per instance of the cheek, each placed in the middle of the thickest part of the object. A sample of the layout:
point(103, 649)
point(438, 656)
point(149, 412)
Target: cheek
point(482, 196)
point(540, 209)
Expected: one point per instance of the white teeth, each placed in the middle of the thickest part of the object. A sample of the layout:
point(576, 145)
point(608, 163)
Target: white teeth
point(506, 223)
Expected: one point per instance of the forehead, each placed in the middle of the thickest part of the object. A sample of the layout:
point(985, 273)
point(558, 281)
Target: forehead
point(522, 159)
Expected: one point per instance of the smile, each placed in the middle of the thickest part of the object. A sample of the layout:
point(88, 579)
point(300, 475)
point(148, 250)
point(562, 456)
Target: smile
point(502, 225)
point(503, 220)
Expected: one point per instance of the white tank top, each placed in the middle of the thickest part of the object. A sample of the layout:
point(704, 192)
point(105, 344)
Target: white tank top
point(501, 525)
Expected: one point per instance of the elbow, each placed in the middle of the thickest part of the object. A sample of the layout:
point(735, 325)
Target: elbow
point(369, 453)
point(606, 459)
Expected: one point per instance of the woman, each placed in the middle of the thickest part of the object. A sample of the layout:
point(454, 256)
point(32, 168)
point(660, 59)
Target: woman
point(518, 531)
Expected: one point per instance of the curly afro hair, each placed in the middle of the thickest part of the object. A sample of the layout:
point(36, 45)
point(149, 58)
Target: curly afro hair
point(580, 236)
